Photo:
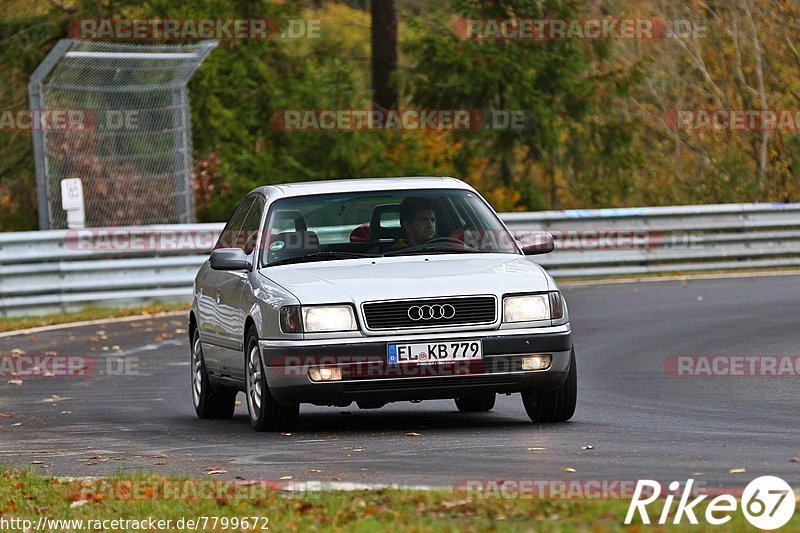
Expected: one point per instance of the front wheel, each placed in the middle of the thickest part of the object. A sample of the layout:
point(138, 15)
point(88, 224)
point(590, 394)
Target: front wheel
point(557, 405)
point(208, 403)
point(266, 414)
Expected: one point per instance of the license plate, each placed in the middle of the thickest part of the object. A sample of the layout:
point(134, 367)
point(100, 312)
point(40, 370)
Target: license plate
point(434, 352)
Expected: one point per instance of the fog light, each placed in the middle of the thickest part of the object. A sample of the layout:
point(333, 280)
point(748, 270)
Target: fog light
point(325, 373)
point(536, 362)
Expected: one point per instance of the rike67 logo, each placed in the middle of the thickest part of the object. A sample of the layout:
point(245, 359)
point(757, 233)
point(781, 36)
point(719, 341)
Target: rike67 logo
point(768, 503)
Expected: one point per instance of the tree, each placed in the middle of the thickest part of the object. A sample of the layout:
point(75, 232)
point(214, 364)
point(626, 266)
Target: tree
point(384, 53)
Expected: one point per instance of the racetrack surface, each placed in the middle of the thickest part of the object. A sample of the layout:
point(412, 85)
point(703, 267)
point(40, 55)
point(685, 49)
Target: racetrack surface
point(641, 421)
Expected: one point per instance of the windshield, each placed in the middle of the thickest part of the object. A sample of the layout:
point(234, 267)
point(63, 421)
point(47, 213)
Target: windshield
point(372, 224)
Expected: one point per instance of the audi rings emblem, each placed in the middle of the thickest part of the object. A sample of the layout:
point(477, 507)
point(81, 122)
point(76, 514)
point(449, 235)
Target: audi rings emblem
point(431, 312)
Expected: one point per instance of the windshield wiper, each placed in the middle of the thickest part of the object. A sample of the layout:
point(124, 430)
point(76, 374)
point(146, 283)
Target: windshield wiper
point(432, 250)
point(320, 256)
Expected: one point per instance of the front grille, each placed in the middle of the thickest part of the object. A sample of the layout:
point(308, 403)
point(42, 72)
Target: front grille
point(429, 383)
point(431, 312)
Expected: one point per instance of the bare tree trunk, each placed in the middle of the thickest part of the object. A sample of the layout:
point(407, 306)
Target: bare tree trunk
point(762, 96)
point(384, 52)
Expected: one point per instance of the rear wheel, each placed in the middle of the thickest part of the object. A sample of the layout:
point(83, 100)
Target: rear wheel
point(476, 404)
point(266, 414)
point(557, 405)
point(208, 403)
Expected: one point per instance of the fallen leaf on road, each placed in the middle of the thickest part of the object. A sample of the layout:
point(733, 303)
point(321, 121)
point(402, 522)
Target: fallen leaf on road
point(794, 460)
point(162, 463)
point(737, 470)
point(412, 434)
point(587, 447)
point(37, 462)
point(180, 331)
point(5, 415)
point(94, 457)
point(569, 470)
point(66, 412)
point(90, 463)
point(14, 382)
point(159, 456)
point(314, 471)
point(215, 472)
point(285, 477)
point(16, 424)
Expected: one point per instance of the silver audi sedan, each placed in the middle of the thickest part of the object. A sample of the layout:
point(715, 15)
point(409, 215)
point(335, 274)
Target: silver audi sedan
point(375, 291)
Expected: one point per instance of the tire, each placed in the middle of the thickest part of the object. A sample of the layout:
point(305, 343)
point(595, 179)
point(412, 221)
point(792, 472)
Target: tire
point(208, 402)
point(265, 413)
point(476, 404)
point(557, 405)
point(365, 404)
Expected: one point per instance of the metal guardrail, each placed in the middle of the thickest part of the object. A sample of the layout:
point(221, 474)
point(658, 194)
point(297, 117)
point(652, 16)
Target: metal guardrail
point(47, 271)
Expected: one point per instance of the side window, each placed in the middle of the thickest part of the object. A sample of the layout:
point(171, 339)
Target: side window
point(229, 236)
point(251, 226)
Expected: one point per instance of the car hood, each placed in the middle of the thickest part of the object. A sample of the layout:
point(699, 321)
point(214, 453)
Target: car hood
point(388, 278)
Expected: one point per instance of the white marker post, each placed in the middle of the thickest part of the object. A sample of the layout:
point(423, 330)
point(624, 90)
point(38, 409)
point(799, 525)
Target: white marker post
point(72, 202)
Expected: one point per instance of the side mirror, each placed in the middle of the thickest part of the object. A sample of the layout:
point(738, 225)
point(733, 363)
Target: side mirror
point(229, 259)
point(540, 242)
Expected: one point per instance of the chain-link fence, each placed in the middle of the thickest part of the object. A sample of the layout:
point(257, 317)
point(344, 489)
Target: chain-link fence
point(116, 116)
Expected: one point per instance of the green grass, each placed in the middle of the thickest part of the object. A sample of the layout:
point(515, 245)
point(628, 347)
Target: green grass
point(27, 494)
point(89, 313)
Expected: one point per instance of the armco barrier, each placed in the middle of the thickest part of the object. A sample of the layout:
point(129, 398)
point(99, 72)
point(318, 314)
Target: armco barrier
point(46, 271)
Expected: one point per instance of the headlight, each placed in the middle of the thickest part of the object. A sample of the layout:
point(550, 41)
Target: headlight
point(317, 319)
point(333, 318)
point(526, 308)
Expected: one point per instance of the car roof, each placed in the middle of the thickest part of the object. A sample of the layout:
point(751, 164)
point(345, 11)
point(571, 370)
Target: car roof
point(362, 185)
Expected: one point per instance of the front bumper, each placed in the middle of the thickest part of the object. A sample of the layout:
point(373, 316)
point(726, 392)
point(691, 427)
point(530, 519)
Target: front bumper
point(368, 378)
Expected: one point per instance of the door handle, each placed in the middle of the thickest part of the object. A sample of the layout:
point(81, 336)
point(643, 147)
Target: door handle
point(217, 298)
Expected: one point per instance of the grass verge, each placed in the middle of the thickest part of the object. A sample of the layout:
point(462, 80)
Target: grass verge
point(29, 495)
point(89, 313)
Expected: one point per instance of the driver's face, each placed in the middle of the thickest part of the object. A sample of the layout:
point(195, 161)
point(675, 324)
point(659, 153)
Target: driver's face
point(422, 228)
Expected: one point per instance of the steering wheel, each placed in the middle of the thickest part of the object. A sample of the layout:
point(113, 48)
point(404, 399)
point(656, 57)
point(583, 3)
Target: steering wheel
point(451, 240)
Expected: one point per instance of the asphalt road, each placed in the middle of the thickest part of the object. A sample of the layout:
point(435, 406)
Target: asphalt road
point(641, 421)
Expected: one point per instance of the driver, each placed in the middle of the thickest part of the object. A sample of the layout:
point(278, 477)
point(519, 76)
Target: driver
point(418, 220)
